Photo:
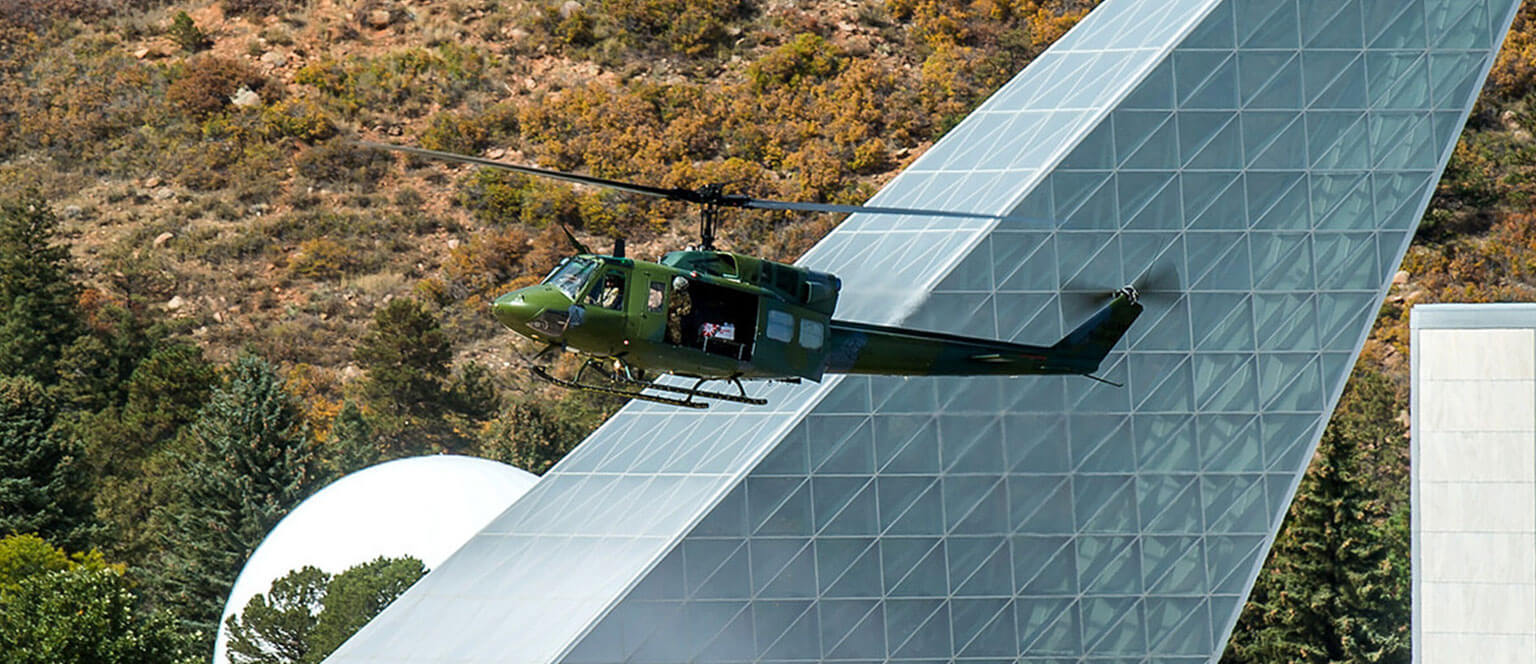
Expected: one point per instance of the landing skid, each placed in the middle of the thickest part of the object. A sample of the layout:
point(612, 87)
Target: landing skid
point(635, 389)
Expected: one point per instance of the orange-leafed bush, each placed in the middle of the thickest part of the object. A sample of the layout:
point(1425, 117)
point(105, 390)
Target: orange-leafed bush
point(208, 82)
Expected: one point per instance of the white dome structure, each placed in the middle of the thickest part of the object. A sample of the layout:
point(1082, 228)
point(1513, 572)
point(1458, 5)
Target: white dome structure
point(425, 507)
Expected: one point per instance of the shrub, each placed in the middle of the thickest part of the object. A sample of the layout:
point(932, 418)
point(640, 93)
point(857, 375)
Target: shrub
point(207, 83)
point(805, 59)
point(320, 258)
point(259, 7)
point(299, 118)
point(186, 33)
point(341, 163)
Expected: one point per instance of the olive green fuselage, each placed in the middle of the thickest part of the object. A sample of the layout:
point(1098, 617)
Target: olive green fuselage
point(721, 315)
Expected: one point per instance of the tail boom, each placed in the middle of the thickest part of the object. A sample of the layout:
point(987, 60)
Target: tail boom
point(862, 348)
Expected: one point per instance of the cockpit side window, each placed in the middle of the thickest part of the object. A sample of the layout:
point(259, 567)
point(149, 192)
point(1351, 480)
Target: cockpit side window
point(571, 276)
point(609, 292)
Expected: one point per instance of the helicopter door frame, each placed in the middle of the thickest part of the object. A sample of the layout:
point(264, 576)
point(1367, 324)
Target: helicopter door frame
point(589, 316)
point(792, 339)
point(652, 297)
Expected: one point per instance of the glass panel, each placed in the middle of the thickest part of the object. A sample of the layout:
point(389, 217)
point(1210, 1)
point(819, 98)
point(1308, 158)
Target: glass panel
point(1215, 32)
point(1327, 76)
point(797, 579)
point(848, 567)
point(1270, 79)
point(917, 628)
point(1454, 24)
point(1331, 25)
point(1266, 24)
point(786, 629)
point(1338, 141)
point(1399, 80)
point(1113, 625)
point(1234, 503)
point(1095, 152)
point(1109, 564)
point(1405, 30)
point(1178, 625)
point(985, 628)
point(1105, 503)
point(832, 494)
point(1205, 79)
point(1221, 150)
point(852, 628)
point(1168, 503)
point(1156, 92)
point(1049, 626)
point(1168, 443)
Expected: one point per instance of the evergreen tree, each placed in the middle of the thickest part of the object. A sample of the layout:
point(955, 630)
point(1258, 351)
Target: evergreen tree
point(40, 481)
point(275, 628)
point(406, 355)
point(38, 295)
point(354, 445)
point(534, 435)
point(126, 445)
point(358, 594)
point(1336, 586)
point(308, 614)
point(253, 461)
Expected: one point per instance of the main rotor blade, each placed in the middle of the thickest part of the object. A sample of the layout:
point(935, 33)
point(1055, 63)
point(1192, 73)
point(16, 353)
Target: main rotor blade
point(858, 209)
point(659, 192)
point(709, 195)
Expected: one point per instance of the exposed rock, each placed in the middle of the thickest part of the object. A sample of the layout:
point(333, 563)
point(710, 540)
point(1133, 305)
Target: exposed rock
point(1400, 278)
point(176, 303)
point(453, 243)
point(570, 7)
point(379, 19)
point(274, 59)
point(245, 98)
point(164, 194)
point(152, 182)
point(72, 211)
point(163, 238)
point(496, 153)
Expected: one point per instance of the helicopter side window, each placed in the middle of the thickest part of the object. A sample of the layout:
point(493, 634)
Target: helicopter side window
point(781, 325)
point(609, 293)
point(811, 333)
point(571, 276)
point(656, 300)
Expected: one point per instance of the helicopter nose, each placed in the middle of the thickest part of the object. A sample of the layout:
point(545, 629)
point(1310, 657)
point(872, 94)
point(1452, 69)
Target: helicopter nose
point(514, 310)
point(532, 311)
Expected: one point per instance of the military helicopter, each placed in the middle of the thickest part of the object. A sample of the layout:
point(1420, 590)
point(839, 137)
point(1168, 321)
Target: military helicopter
point(712, 315)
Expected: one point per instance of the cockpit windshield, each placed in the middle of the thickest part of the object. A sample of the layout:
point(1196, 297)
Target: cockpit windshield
point(571, 276)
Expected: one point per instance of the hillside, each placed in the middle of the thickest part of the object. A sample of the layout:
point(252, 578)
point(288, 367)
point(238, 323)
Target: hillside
point(199, 160)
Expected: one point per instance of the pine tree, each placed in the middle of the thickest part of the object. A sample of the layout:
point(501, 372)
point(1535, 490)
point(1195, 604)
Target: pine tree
point(40, 480)
point(353, 445)
point(1336, 586)
point(406, 354)
point(253, 461)
point(38, 294)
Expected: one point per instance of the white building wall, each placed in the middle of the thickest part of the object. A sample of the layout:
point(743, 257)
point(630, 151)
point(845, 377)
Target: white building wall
point(1474, 483)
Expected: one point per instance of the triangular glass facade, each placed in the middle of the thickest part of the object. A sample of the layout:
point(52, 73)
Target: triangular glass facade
point(1265, 161)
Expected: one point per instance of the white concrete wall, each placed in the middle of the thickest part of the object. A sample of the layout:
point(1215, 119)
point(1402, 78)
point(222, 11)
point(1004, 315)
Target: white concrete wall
point(1474, 490)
